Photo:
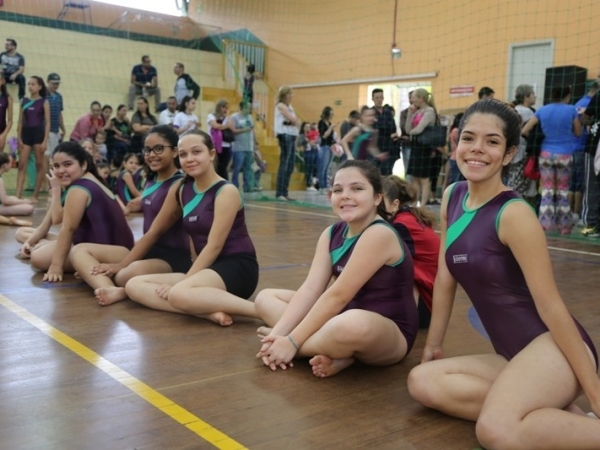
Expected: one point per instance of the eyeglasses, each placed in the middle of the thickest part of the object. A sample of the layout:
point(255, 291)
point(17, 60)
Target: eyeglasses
point(157, 149)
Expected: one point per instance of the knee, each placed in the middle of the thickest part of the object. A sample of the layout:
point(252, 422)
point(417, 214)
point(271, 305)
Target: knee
point(77, 250)
point(491, 433)
point(263, 300)
point(421, 387)
point(351, 326)
point(177, 298)
point(131, 271)
point(39, 260)
point(132, 288)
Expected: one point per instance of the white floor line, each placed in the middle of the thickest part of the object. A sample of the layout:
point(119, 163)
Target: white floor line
point(332, 216)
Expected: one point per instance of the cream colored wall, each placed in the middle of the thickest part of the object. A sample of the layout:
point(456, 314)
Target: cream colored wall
point(465, 42)
point(99, 68)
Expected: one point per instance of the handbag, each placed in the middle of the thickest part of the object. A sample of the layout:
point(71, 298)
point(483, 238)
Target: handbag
point(532, 170)
point(433, 136)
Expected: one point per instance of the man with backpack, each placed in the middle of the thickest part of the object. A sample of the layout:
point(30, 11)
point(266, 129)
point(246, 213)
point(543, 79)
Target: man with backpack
point(184, 85)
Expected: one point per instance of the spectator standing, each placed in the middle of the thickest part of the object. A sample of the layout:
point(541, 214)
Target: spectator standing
point(6, 113)
point(352, 121)
point(33, 131)
point(57, 124)
point(185, 85)
point(387, 132)
point(242, 125)
point(286, 130)
point(326, 134)
point(13, 66)
point(144, 81)
point(167, 116)
point(142, 121)
point(118, 136)
point(310, 152)
point(486, 93)
point(89, 124)
point(221, 136)
point(405, 137)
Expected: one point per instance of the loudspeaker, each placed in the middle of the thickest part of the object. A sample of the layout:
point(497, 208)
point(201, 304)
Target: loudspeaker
point(573, 76)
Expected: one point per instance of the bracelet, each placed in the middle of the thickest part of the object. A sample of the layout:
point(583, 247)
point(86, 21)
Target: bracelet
point(293, 342)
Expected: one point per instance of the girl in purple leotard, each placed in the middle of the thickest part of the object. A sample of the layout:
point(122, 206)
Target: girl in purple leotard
point(107, 268)
point(368, 313)
point(91, 212)
point(495, 248)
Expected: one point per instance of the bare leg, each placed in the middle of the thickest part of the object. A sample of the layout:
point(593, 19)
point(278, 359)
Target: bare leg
point(86, 256)
point(455, 386)
point(525, 407)
point(22, 234)
point(355, 334)
point(142, 290)
point(24, 153)
point(19, 222)
point(204, 294)
point(16, 210)
point(40, 174)
point(41, 257)
point(270, 304)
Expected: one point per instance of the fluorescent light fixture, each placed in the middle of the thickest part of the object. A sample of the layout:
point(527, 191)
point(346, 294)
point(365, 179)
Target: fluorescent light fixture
point(168, 7)
point(396, 52)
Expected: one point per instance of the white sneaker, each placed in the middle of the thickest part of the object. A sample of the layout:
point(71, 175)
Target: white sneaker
point(575, 217)
point(311, 188)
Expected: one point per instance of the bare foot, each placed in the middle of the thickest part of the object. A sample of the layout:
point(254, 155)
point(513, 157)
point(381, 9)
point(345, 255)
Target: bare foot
point(19, 222)
point(108, 296)
point(263, 331)
point(220, 318)
point(323, 366)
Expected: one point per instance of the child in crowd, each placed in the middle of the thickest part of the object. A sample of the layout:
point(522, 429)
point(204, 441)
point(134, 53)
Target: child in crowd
point(414, 225)
point(11, 205)
point(309, 149)
point(368, 313)
point(363, 138)
point(312, 136)
point(127, 187)
point(88, 145)
point(522, 395)
point(100, 141)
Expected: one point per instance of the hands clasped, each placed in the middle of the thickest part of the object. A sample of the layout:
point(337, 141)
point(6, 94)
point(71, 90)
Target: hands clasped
point(277, 352)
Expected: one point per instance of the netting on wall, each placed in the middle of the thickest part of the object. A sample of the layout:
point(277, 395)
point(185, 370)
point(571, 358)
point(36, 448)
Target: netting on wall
point(331, 55)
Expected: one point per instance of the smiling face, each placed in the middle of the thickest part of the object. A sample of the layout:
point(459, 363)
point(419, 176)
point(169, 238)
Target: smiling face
point(196, 158)
point(353, 197)
point(67, 169)
point(132, 164)
point(481, 153)
point(164, 161)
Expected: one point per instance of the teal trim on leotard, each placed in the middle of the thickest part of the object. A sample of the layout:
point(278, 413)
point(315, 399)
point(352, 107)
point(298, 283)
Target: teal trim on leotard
point(358, 141)
point(89, 202)
point(197, 199)
point(504, 206)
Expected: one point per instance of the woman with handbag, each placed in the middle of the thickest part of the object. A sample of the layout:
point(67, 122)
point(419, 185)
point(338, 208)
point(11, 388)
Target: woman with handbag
point(560, 124)
point(421, 114)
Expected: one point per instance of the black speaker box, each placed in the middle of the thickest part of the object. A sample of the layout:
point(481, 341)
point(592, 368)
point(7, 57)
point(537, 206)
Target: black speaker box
point(573, 76)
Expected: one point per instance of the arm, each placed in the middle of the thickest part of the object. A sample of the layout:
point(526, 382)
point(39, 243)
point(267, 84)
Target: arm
point(522, 233)
point(227, 204)
point(9, 122)
point(46, 124)
point(217, 126)
point(577, 127)
point(135, 81)
point(75, 205)
point(444, 292)
point(20, 125)
point(284, 110)
point(529, 126)
point(61, 124)
point(169, 213)
point(371, 252)
point(40, 233)
point(233, 127)
point(56, 208)
point(324, 130)
point(427, 119)
point(345, 142)
point(128, 179)
point(154, 81)
point(21, 69)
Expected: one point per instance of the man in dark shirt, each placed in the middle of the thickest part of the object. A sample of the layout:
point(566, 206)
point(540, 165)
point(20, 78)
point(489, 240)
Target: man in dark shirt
point(144, 81)
point(352, 121)
point(13, 66)
point(387, 132)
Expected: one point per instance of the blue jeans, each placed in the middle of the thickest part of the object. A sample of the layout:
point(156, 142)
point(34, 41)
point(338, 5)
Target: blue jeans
point(287, 148)
point(325, 156)
point(311, 159)
point(242, 161)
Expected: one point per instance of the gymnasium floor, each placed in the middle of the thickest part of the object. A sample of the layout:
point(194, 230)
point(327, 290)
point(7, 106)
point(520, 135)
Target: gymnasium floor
point(74, 375)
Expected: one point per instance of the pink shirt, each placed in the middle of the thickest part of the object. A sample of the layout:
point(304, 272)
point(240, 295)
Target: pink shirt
point(86, 127)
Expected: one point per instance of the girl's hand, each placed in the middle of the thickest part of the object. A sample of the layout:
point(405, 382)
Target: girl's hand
point(108, 270)
point(25, 251)
point(53, 180)
point(163, 290)
point(431, 354)
point(54, 274)
point(279, 353)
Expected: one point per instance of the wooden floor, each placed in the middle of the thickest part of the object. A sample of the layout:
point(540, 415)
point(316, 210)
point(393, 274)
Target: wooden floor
point(146, 374)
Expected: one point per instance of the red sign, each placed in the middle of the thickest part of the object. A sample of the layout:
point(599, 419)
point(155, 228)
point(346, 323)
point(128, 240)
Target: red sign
point(462, 91)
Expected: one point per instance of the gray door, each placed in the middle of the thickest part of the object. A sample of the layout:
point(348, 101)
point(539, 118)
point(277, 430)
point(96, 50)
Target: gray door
point(527, 64)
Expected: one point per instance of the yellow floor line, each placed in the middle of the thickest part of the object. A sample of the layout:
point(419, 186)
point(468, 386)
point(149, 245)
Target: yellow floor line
point(164, 404)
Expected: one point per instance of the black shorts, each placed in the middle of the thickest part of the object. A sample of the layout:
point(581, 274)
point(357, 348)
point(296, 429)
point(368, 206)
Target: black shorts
point(239, 272)
point(179, 260)
point(32, 135)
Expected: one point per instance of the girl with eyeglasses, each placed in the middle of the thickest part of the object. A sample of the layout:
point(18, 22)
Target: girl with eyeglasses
point(107, 268)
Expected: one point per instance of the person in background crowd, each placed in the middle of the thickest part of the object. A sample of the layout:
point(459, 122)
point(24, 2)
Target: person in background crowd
point(13, 66)
point(167, 116)
point(144, 82)
point(486, 93)
point(6, 113)
point(387, 132)
point(286, 130)
point(89, 124)
point(185, 85)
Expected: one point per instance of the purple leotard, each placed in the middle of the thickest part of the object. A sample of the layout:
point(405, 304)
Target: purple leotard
point(388, 292)
point(3, 108)
point(153, 197)
point(490, 274)
point(103, 222)
point(198, 216)
point(33, 115)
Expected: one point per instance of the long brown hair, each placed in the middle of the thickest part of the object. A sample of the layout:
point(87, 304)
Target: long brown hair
point(394, 188)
